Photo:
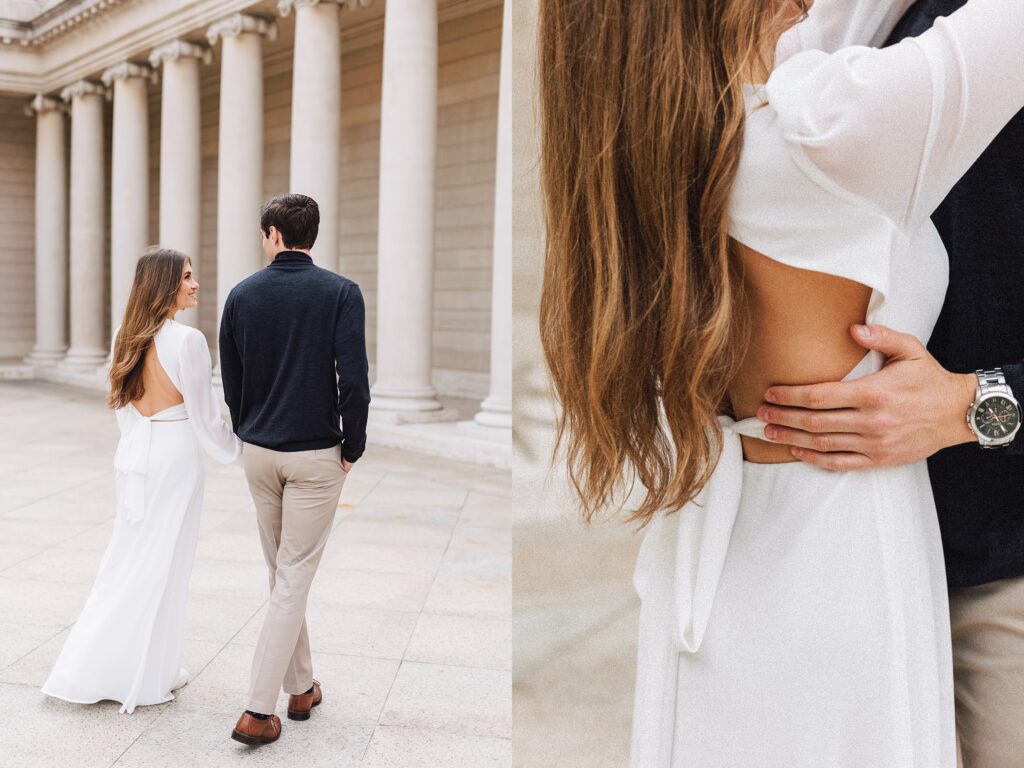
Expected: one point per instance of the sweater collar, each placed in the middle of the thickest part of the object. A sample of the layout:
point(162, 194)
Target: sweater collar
point(291, 257)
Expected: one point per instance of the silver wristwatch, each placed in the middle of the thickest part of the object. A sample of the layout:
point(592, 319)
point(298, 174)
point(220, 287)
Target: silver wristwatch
point(995, 414)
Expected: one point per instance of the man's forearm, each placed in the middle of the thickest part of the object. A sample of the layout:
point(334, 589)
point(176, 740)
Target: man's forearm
point(354, 409)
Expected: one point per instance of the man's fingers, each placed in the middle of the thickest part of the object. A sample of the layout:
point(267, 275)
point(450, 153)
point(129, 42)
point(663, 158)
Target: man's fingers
point(828, 396)
point(837, 462)
point(809, 420)
point(828, 442)
point(890, 343)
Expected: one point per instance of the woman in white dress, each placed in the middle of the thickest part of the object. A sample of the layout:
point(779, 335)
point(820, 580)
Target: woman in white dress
point(126, 645)
point(717, 219)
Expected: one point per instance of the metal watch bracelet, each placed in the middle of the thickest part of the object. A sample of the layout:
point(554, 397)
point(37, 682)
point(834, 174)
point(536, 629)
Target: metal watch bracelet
point(991, 382)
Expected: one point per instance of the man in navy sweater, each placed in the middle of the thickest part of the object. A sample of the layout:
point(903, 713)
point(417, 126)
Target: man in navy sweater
point(964, 423)
point(293, 362)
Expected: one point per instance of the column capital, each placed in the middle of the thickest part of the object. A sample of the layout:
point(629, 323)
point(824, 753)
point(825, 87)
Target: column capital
point(42, 103)
point(284, 7)
point(240, 23)
point(84, 88)
point(127, 69)
point(180, 49)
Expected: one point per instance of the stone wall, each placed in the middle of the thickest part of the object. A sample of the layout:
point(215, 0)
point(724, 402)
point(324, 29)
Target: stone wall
point(17, 228)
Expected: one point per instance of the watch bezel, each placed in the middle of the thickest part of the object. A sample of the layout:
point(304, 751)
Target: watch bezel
point(984, 439)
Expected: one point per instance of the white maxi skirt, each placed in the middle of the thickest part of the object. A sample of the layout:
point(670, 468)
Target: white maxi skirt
point(126, 645)
point(795, 618)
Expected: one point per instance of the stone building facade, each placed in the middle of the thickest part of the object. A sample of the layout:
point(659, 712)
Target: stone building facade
point(125, 123)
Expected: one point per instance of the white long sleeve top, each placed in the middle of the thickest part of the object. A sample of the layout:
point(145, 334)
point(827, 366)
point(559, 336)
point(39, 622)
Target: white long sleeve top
point(848, 149)
point(185, 357)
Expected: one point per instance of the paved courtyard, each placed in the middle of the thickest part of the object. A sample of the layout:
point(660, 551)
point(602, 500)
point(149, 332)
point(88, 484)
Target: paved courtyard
point(409, 616)
point(575, 629)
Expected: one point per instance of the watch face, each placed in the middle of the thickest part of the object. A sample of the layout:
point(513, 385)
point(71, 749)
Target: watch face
point(996, 417)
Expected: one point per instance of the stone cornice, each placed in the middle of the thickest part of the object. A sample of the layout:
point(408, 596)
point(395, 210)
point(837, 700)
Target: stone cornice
point(284, 7)
point(240, 23)
point(83, 88)
point(133, 28)
point(127, 69)
point(180, 49)
point(56, 22)
point(42, 103)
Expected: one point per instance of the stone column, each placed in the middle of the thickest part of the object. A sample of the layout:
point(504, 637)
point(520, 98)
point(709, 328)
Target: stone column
point(496, 409)
point(89, 342)
point(180, 152)
point(316, 114)
point(51, 231)
point(129, 186)
point(240, 161)
point(405, 234)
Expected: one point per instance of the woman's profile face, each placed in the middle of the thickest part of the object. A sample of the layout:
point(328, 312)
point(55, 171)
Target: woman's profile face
point(187, 289)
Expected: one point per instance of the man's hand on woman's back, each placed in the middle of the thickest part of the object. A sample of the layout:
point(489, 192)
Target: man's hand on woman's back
point(905, 412)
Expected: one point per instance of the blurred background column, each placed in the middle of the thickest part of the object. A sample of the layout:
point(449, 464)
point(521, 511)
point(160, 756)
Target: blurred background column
point(129, 185)
point(180, 152)
point(496, 409)
point(88, 227)
point(403, 390)
point(51, 231)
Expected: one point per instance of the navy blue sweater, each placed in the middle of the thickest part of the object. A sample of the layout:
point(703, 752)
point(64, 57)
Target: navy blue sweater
point(980, 493)
point(293, 358)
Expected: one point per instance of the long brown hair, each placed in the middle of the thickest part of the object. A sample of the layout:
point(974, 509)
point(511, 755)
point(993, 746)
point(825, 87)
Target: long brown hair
point(154, 293)
point(641, 313)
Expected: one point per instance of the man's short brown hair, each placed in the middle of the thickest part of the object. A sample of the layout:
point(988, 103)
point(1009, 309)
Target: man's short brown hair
point(296, 217)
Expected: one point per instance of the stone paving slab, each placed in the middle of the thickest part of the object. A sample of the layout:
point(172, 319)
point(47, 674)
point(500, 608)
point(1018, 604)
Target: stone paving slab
point(575, 630)
point(409, 617)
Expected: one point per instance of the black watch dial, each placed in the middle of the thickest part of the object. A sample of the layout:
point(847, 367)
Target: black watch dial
point(996, 417)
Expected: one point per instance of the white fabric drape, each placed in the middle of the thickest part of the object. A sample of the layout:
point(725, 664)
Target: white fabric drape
point(126, 644)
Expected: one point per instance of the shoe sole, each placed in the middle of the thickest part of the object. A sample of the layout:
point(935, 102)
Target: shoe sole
point(292, 715)
point(252, 741)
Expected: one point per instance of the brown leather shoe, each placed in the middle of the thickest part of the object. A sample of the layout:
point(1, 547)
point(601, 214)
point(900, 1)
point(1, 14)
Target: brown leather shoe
point(299, 704)
point(252, 731)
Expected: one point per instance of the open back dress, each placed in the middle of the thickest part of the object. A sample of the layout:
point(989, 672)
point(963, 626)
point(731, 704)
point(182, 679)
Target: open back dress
point(792, 616)
point(126, 644)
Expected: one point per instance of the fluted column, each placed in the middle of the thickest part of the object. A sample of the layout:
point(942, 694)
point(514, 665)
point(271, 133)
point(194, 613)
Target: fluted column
point(89, 341)
point(240, 161)
point(496, 409)
point(51, 231)
point(180, 151)
point(405, 232)
point(129, 186)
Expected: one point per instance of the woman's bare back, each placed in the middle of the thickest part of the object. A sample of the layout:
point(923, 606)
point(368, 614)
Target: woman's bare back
point(159, 392)
point(799, 334)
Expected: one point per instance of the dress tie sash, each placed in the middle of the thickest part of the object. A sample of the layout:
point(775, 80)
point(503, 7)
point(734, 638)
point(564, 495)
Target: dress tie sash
point(131, 459)
point(676, 576)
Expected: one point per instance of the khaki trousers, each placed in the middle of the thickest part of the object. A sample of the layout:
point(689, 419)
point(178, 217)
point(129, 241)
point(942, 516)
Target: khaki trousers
point(988, 669)
point(296, 495)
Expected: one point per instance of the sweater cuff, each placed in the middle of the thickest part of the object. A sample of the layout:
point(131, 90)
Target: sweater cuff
point(1014, 374)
